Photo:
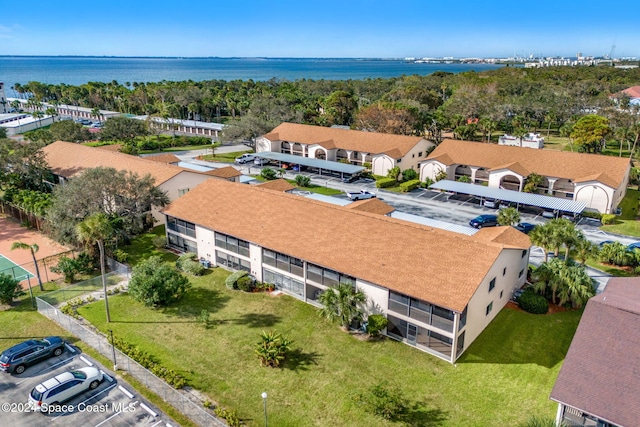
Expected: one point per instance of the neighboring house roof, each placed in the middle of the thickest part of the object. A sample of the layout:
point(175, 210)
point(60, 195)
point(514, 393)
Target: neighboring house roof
point(224, 172)
point(559, 164)
point(164, 158)
point(330, 138)
point(507, 236)
point(375, 206)
point(368, 246)
point(515, 167)
point(68, 159)
point(632, 92)
point(601, 372)
point(277, 185)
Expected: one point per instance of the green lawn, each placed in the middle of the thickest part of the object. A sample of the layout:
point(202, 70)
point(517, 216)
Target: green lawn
point(142, 247)
point(627, 224)
point(504, 377)
point(312, 188)
point(224, 157)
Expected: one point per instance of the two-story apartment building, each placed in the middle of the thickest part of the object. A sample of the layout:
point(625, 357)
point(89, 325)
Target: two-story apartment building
point(381, 150)
point(597, 180)
point(437, 288)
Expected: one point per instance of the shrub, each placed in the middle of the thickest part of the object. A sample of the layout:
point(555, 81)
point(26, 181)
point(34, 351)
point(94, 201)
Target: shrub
point(616, 253)
point(231, 282)
point(427, 182)
point(386, 182)
point(155, 283)
point(86, 263)
point(533, 303)
point(245, 283)
point(193, 267)
point(159, 242)
point(268, 174)
point(264, 287)
point(272, 348)
point(9, 289)
point(385, 401)
point(405, 187)
point(68, 267)
point(607, 219)
point(229, 415)
point(303, 181)
point(376, 323)
point(587, 214)
point(409, 175)
point(393, 173)
point(441, 175)
point(120, 255)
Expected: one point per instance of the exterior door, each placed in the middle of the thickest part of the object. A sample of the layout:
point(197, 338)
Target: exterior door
point(412, 333)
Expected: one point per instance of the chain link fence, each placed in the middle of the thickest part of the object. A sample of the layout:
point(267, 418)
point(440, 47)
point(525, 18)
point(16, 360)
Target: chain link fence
point(179, 400)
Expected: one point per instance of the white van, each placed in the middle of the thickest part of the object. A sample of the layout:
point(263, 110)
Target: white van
point(63, 387)
point(245, 158)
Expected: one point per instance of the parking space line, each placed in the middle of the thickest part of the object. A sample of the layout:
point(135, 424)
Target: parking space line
point(159, 422)
point(71, 349)
point(146, 408)
point(86, 361)
point(112, 416)
point(105, 375)
point(50, 368)
point(125, 391)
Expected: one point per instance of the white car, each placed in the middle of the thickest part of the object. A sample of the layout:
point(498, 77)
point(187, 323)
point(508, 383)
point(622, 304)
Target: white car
point(260, 161)
point(245, 158)
point(63, 387)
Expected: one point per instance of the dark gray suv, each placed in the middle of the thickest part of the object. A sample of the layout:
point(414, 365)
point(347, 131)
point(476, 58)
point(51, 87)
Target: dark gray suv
point(17, 358)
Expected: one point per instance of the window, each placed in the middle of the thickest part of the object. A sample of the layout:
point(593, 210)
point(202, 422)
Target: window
point(492, 284)
point(421, 311)
point(489, 307)
point(504, 271)
point(501, 293)
point(413, 156)
point(325, 276)
point(283, 262)
point(180, 226)
point(182, 244)
point(232, 262)
point(460, 344)
point(398, 160)
point(524, 253)
point(284, 283)
point(420, 154)
point(240, 247)
point(182, 191)
point(521, 273)
point(463, 319)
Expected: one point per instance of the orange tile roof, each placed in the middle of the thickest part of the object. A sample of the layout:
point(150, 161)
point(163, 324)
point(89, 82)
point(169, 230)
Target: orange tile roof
point(68, 159)
point(371, 142)
point(372, 247)
point(224, 172)
point(164, 158)
point(559, 164)
point(277, 185)
point(376, 206)
point(507, 236)
point(632, 92)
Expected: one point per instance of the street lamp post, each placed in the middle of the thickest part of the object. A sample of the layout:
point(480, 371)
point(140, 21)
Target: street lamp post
point(264, 401)
point(113, 350)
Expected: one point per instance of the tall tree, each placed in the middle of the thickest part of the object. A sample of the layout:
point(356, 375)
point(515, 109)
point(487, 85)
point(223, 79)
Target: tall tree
point(508, 216)
point(95, 229)
point(590, 132)
point(33, 248)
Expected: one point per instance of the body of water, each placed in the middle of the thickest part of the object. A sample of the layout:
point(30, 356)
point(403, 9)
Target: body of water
point(79, 70)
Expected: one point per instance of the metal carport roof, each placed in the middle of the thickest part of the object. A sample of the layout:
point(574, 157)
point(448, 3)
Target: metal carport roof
point(309, 162)
point(546, 202)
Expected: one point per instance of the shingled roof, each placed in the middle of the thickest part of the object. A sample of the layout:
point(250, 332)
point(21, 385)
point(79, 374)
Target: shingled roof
point(578, 167)
point(277, 185)
point(601, 373)
point(366, 245)
point(224, 172)
point(164, 158)
point(370, 142)
point(67, 159)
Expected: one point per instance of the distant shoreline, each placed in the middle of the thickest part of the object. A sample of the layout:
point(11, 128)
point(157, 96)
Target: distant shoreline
point(203, 57)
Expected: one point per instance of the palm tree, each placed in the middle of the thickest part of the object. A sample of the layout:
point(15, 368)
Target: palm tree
point(51, 112)
point(342, 303)
point(532, 182)
point(37, 115)
point(585, 249)
point(34, 248)
point(541, 236)
point(508, 216)
point(96, 228)
point(96, 113)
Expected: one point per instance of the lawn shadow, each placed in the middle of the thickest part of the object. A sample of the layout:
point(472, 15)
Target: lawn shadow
point(196, 300)
point(258, 320)
point(297, 360)
point(419, 415)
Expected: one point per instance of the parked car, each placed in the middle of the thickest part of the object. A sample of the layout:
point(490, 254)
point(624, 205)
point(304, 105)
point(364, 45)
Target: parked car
point(504, 205)
point(350, 178)
point(65, 386)
point(260, 161)
point(17, 358)
point(484, 221)
point(549, 214)
point(491, 203)
point(605, 242)
point(245, 158)
point(360, 195)
point(525, 227)
point(634, 245)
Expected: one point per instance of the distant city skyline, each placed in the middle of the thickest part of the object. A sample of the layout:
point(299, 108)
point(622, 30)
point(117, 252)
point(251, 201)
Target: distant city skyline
point(327, 29)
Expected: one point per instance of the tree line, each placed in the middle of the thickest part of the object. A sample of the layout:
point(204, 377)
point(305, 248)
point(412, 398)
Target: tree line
point(473, 105)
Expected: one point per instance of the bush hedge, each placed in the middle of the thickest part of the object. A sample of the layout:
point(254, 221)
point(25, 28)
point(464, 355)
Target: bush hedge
point(607, 219)
point(231, 282)
point(245, 283)
point(386, 182)
point(405, 187)
point(531, 302)
point(189, 264)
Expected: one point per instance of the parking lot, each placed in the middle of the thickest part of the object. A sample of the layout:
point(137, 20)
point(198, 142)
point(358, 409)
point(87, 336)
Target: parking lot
point(113, 403)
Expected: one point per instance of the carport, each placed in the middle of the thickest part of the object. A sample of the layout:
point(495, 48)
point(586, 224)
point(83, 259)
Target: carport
point(343, 170)
point(528, 199)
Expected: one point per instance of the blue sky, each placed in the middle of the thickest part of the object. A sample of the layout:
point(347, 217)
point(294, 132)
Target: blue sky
point(329, 28)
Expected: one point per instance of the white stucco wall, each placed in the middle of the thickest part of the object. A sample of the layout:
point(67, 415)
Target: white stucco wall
point(381, 163)
point(263, 144)
point(477, 319)
point(430, 169)
point(377, 297)
point(595, 194)
point(496, 176)
point(205, 239)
